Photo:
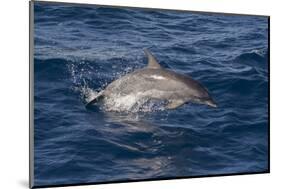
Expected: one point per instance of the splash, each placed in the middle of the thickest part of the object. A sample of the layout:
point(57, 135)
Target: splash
point(131, 103)
point(134, 102)
point(89, 79)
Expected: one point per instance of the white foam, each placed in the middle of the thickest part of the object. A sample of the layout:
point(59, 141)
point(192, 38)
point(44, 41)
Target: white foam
point(121, 103)
point(134, 102)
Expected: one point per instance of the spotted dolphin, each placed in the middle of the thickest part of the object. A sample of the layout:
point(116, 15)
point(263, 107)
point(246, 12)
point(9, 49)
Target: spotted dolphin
point(153, 83)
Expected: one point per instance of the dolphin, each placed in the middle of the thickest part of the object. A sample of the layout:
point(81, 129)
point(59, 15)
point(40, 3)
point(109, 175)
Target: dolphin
point(153, 83)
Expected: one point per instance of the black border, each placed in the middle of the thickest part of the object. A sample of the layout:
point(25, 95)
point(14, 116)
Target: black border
point(31, 99)
point(31, 182)
point(268, 94)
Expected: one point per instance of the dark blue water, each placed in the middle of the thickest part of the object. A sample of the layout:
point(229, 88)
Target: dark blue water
point(80, 48)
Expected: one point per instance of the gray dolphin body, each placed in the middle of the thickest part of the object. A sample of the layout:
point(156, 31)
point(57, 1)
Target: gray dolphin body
point(153, 83)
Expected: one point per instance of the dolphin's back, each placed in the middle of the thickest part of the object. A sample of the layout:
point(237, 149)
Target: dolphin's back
point(164, 83)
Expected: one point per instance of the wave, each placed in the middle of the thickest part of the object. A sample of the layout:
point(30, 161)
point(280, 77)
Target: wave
point(259, 56)
point(90, 77)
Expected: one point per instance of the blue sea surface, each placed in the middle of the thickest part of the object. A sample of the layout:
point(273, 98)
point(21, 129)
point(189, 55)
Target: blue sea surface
point(80, 48)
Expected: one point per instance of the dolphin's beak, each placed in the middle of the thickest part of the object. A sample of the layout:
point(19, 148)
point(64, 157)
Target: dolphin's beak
point(211, 103)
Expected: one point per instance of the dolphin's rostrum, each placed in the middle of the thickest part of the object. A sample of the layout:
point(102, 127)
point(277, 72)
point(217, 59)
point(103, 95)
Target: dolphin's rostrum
point(153, 83)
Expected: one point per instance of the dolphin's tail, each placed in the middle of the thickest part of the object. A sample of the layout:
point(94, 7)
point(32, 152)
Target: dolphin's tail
point(94, 98)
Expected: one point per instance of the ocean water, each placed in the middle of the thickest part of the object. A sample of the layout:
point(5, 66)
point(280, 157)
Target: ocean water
point(80, 49)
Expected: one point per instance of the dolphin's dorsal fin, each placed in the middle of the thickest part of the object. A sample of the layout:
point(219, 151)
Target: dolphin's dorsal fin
point(152, 62)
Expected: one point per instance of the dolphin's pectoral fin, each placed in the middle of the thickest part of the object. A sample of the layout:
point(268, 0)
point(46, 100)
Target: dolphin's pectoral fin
point(174, 104)
point(95, 99)
point(152, 62)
